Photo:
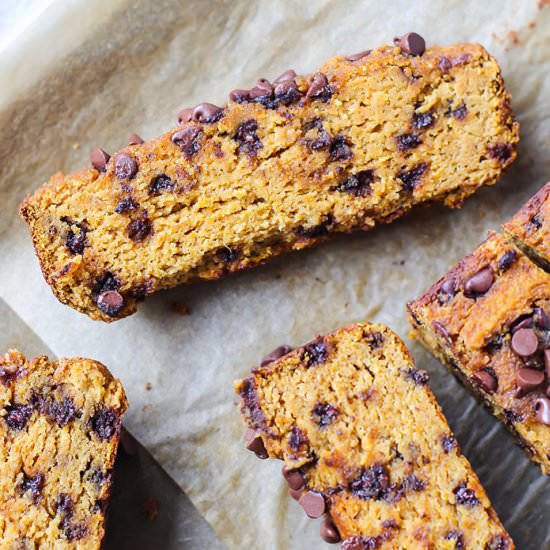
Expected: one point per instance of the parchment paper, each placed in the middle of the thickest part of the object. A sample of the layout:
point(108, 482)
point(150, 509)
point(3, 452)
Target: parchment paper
point(130, 67)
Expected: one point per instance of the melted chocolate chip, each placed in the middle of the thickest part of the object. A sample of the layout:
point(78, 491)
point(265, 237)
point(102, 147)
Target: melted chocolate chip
point(277, 353)
point(447, 291)
point(247, 138)
point(340, 149)
point(407, 141)
point(498, 542)
point(11, 372)
point(324, 414)
point(410, 178)
point(372, 483)
point(125, 166)
point(65, 505)
point(421, 121)
point(110, 302)
point(32, 485)
point(76, 239)
point(297, 439)
point(227, 255)
point(495, 344)
point(418, 376)
point(459, 113)
point(188, 140)
point(374, 339)
point(361, 543)
point(465, 496)
point(411, 43)
point(479, 283)
point(358, 185)
point(507, 259)
point(161, 183)
point(501, 151)
point(315, 353)
point(535, 221)
point(62, 413)
point(105, 423)
point(140, 228)
point(99, 477)
point(72, 531)
point(449, 443)
point(17, 416)
point(313, 232)
point(125, 205)
point(457, 536)
point(107, 282)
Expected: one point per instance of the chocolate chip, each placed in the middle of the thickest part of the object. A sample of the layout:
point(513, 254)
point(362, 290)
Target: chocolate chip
point(371, 484)
point(374, 339)
point(479, 283)
point(17, 416)
point(207, 113)
point(12, 372)
point(411, 43)
point(465, 496)
point(239, 96)
point(449, 443)
point(65, 505)
point(315, 352)
point(76, 238)
point(501, 151)
point(185, 115)
point(288, 75)
point(542, 410)
point(107, 282)
point(319, 88)
point(60, 412)
point(286, 92)
point(125, 166)
point(110, 302)
point(360, 543)
point(418, 376)
point(294, 479)
point(528, 380)
point(524, 321)
point(525, 342)
point(495, 344)
point(498, 542)
point(297, 439)
point(421, 121)
point(135, 139)
point(459, 113)
point(251, 406)
point(295, 494)
point(161, 183)
point(255, 444)
point(457, 536)
point(536, 221)
point(262, 89)
point(313, 232)
point(227, 255)
point(487, 379)
point(313, 504)
point(99, 477)
point(99, 159)
point(140, 228)
point(277, 353)
point(73, 532)
point(33, 485)
point(407, 141)
point(410, 178)
point(324, 414)
point(547, 362)
point(507, 259)
point(328, 531)
point(340, 149)
point(105, 423)
point(447, 291)
point(541, 320)
point(247, 138)
point(125, 205)
point(358, 185)
point(187, 140)
point(358, 56)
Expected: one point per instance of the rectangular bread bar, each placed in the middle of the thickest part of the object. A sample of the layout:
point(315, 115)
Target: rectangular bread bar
point(278, 168)
point(488, 320)
point(529, 229)
point(59, 430)
point(366, 446)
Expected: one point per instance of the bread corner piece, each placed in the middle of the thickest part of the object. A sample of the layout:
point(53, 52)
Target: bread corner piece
point(365, 444)
point(60, 425)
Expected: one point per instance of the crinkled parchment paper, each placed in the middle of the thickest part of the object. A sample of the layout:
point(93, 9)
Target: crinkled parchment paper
point(131, 67)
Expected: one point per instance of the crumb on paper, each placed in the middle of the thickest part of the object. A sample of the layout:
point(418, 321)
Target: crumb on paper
point(180, 308)
point(151, 507)
point(513, 37)
point(148, 386)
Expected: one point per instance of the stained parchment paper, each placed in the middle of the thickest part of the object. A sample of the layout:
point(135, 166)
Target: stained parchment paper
point(131, 66)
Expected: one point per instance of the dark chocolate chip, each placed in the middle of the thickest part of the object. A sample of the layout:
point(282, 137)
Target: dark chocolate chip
point(525, 342)
point(465, 496)
point(297, 439)
point(442, 331)
point(507, 259)
point(247, 138)
point(501, 151)
point(495, 344)
point(542, 410)
point(140, 228)
point(99, 477)
point(547, 362)
point(315, 352)
point(99, 159)
point(17, 416)
point(541, 320)
point(207, 113)
point(313, 232)
point(105, 423)
point(449, 443)
point(372, 483)
point(459, 113)
point(125, 205)
point(340, 149)
point(65, 505)
point(410, 178)
point(107, 282)
point(358, 56)
point(262, 89)
point(418, 376)
point(11, 372)
point(374, 339)
point(187, 140)
point(319, 88)
point(361, 543)
point(125, 166)
point(185, 115)
point(255, 444)
point(76, 238)
point(457, 536)
point(135, 139)
point(524, 321)
point(528, 380)
point(239, 96)
point(447, 291)
point(72, 531)
point(479, 283)
point(408, 141)
point(33, 485)
point(421, 121)
point(277, 353)
point(250, 404)
point(498, 542)
point(227, 255)
point(536, 221)
point(487, 379)
point(110, 302)
point(313, 504)
point(510, 416)
point(328, 531)
point(358, 185)
point(294, 479)
point(288, 75)
point(161, 183)
point(324, 414)
point(60, 412)
point(411, 43)
point(286, 92)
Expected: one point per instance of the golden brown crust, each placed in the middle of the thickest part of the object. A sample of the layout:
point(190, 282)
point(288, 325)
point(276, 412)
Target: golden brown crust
point(354, 418)
point(269, 178)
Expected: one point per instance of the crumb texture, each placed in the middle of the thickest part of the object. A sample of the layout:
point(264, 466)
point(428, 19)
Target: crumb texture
point(362, 437)
point(278, 168)
point(59, 429)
